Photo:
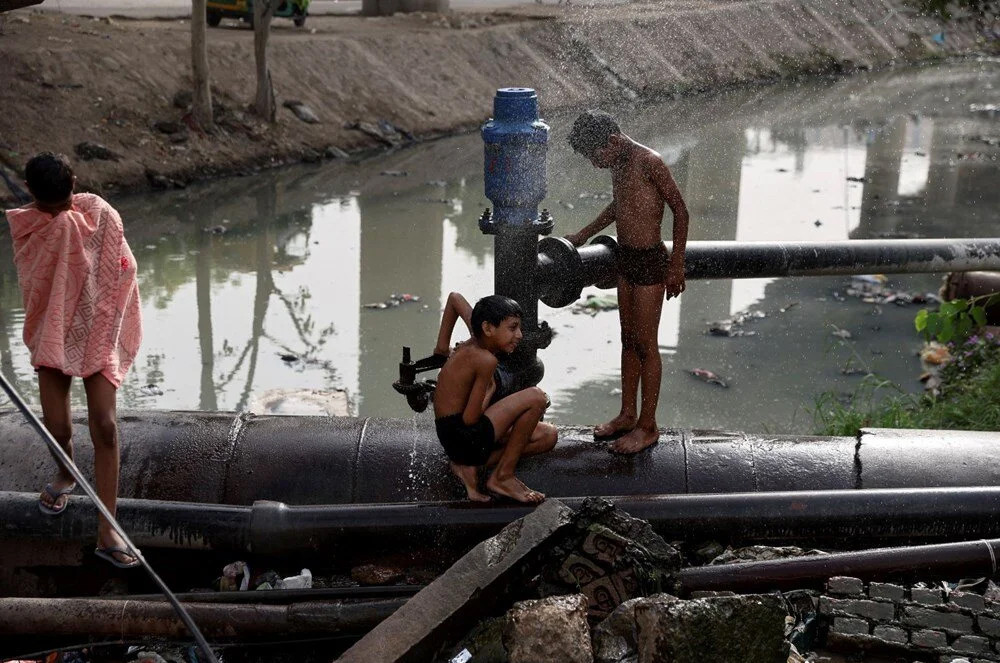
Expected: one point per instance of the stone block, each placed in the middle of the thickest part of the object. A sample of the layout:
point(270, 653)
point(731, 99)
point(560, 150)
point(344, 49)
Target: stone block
point(989, 625)
point(552, 629)
point(927, 596)
point(969, 600)
point(877, 610)
point(691, 631)
point(891, 634)
point(936, 619)
point(850, 626)
point(473, 586)
point(971, 644)
point(886, 591)
point(844, 586)
point(615, 639)
point(929, 639)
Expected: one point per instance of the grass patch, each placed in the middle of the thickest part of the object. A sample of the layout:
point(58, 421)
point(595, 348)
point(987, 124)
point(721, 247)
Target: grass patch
point(968, 397)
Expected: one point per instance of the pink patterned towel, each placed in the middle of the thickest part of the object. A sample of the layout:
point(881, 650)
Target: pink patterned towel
point(78, 282)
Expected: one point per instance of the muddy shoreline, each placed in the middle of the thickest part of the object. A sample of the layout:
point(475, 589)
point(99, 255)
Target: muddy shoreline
point(377, 84)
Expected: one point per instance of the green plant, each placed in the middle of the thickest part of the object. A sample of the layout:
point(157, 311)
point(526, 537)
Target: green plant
point(954, 320)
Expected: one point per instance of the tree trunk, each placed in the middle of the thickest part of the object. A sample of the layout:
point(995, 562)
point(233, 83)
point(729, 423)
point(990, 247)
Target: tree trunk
point(202, 105)
point(263, 105)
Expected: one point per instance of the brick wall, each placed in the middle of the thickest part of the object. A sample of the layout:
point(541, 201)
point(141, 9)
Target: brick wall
point(957, 625)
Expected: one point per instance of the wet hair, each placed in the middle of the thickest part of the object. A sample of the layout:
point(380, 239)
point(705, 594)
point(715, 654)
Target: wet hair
point(49, 177)
point(494, 310)
point(591, 131)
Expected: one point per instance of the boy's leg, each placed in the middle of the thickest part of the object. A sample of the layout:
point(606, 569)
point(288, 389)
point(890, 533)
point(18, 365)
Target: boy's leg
point(102, 416)
point(647, 303)
point(543, 439)
point(469, 476)
point(625, 421)
point(53, 391)
point(515, 417)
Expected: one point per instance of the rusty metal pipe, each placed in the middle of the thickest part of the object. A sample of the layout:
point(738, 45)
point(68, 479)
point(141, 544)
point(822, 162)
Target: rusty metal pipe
point(130, 620)
point(945, 560)
point(276, 528)
point(563, 270)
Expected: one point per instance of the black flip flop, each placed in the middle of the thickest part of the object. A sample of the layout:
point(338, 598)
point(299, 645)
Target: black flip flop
point(107, 554)
point(55, 495)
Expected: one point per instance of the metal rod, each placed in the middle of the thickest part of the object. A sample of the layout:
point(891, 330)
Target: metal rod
point(945, 560)
point(742, 260)
point(68, 463)
point(277, 528)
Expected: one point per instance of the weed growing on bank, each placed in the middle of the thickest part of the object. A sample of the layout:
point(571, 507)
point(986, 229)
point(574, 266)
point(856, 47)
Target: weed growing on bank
point(968, 397)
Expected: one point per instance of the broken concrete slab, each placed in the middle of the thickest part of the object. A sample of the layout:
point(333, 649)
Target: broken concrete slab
point(611, 557)
point(552, 629)
point(472, 589)
point(615, 640)
point(722, 630)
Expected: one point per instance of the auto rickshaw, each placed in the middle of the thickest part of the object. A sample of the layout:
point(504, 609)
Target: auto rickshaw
point(216, 10)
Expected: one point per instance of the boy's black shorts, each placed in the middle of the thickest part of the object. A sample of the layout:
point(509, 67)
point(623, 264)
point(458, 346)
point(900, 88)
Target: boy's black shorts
point(465, 444)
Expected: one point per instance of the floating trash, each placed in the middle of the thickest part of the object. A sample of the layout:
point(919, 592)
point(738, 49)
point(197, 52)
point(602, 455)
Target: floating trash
point(150, 390)
point(393, 301)
point(841, 333)
point(594, 304)
point(708, 376)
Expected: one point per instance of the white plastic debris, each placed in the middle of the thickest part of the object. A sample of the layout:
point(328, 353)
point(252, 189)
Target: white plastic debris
point(302, 581)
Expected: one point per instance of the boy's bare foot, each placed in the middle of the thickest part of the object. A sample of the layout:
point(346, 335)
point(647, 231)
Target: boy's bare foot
point(635, 441)
point(615, 428)
point(470, 479)
point(514, 489)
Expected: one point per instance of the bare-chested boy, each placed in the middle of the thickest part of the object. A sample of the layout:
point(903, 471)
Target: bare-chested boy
point(642, 186)
point(473, 432)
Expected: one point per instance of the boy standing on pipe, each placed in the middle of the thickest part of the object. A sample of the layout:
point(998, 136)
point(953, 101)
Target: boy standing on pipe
point(81, 318)
point(642, 187)
point(473, 432)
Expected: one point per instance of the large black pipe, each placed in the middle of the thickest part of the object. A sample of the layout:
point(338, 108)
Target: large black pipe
point(229, 459)
point(945, 560)
point(841, 517)
point(562, 271)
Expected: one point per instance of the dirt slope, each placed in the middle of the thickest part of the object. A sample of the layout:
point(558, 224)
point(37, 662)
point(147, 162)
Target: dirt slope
point(67, 80)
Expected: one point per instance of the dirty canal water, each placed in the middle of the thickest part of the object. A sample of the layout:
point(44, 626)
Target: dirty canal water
point(260, 283)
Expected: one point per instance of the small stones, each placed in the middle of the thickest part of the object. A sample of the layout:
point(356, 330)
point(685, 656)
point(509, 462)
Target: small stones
point(552, 630)
point(89, 151)
point(301, 111)
point(844, 586)
point(376, 574)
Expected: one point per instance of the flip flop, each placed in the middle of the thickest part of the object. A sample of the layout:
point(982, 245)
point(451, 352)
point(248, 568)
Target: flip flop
point(108, 555)
point(55, 495)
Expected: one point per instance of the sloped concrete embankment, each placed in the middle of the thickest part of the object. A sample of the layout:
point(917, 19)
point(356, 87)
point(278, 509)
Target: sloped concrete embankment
point(111, 83)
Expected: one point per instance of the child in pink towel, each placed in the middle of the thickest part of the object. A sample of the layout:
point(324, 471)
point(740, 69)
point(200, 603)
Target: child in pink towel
point(81, 318)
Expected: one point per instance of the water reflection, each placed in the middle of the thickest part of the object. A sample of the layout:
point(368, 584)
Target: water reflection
point(253, 284)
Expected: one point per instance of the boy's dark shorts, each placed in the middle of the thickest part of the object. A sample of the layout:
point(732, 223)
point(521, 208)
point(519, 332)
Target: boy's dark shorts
point(643, 266)
point(465, 444)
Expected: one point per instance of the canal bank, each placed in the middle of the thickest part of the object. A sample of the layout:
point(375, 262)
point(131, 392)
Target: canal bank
point(379, 82)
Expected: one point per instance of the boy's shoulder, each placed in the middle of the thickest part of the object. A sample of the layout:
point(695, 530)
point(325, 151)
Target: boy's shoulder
point(475, 356)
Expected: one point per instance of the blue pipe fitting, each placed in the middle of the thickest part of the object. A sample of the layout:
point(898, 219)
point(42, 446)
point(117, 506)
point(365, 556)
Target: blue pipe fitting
point(515, 144)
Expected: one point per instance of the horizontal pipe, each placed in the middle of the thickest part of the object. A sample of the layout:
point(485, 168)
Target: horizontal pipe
point(130, 619)
point(945, 560)
point(744, 260)
point(275, 528)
